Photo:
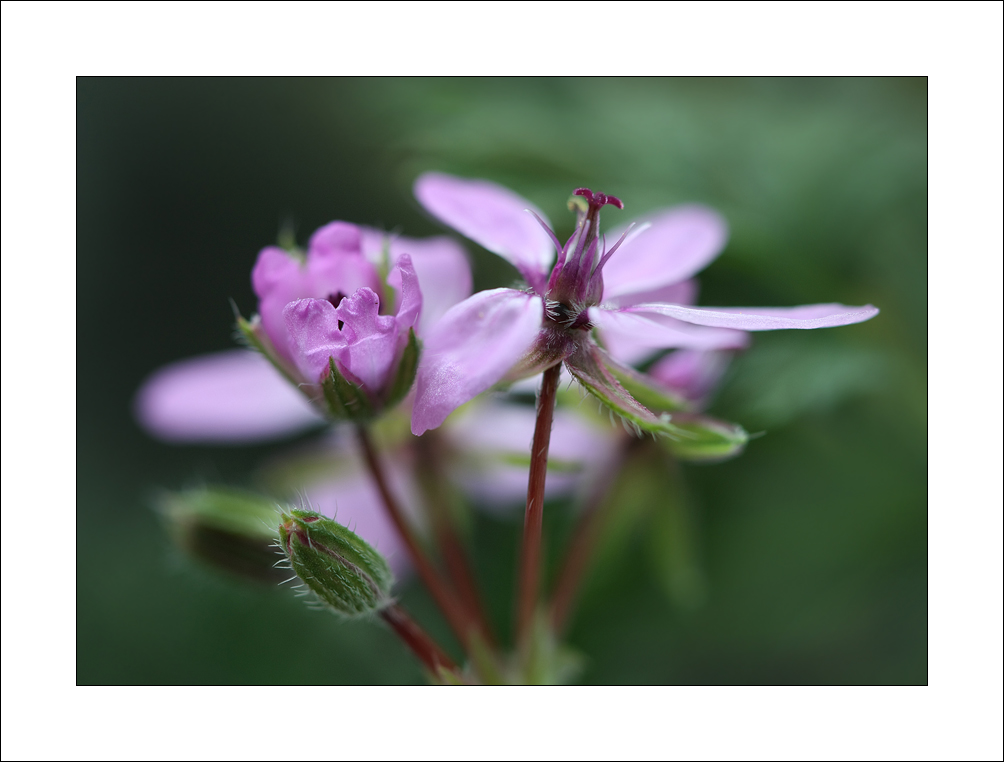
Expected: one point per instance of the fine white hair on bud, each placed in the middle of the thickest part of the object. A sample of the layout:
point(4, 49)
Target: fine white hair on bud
point(334, 564)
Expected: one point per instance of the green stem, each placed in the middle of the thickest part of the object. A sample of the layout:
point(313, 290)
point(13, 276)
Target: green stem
point(584, 540)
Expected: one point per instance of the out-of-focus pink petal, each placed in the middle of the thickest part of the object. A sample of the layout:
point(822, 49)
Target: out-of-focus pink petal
point(677, 244)
point(491, 435)
point(762, 318)
point(492, 216)
point(227, 397)
point(354, 502)
point(629, 336)
point(410, 300)
point(470, 349)
point(693, 373)
point(440, 263)
point(684, 292)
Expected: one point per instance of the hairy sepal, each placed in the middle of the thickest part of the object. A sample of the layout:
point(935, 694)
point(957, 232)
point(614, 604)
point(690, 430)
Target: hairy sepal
point(404, 375)
point(346, 400)
point(643, 388)
point(588, 365)
point(702, 439)
point(338, 566)
point(252, 334)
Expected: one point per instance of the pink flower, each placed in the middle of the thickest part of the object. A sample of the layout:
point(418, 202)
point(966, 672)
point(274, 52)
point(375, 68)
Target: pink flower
point(236, 396)
point(631, 289)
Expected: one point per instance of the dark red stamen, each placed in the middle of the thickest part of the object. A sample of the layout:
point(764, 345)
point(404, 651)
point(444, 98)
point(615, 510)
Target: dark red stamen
point(598, 199)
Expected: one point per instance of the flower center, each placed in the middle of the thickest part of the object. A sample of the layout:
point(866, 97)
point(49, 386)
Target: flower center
point(335, 300)
point(575, 283)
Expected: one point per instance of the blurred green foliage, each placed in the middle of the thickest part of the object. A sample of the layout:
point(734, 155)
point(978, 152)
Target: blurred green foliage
point(802, 561)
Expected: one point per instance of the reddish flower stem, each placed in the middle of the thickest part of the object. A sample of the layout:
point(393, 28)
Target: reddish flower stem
point(529, 567)
point(424, 647)
point(457, 616)
point(583, 543)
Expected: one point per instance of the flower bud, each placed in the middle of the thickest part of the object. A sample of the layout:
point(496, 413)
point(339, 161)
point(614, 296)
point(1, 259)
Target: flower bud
point(336, 564)
point(228, 529)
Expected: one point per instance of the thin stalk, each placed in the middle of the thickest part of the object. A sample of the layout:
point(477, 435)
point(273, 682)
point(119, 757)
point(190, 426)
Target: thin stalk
point(423, 646)
point(457, 616)
point(438, 502)
point(529, 566)
point(584, 540)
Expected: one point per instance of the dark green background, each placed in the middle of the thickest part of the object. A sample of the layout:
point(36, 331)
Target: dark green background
point(813, 544)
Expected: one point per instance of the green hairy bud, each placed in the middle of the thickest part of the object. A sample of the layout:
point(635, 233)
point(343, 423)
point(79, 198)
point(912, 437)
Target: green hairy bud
point(336, 564)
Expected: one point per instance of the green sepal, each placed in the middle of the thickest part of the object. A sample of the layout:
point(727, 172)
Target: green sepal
point(251, 333)
point(703, 439)
point(643, 388)
point(347, 401)
point(407, 367)
point(229, 529)
point(341, 568)
point(590, 366)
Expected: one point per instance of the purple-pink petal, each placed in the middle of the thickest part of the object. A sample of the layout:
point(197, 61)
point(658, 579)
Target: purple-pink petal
point(334, 265)
point(629, 336)
point(410, 299)
point(362, 340)
point(490, 435)
point(440, 263)
point(314, 335)
point(278, 278)
point(677, 244)
point(234, 396)
point(471, 349)
point(492, 216)
point(371, 338)
point(693, 373)
point(762, 318)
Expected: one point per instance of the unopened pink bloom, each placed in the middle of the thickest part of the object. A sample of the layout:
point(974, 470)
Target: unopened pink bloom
point(506, 334)
point(353, 333)
point(237, 396)
point(342, 258)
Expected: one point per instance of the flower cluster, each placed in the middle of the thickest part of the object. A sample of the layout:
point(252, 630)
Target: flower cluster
point(363, 327)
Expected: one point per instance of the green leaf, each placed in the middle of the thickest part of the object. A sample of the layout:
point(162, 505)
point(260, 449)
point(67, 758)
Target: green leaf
point(702, 439)
point(407, 366)
point(590, 366)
